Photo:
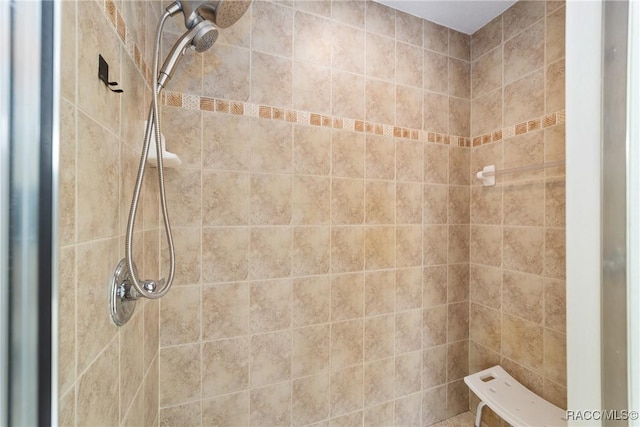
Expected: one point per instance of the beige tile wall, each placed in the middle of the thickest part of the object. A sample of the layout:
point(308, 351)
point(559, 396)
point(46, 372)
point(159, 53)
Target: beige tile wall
point(315, 279)
point(107, 375)
point(517, 232)
point(323, 270)
point(354, 59)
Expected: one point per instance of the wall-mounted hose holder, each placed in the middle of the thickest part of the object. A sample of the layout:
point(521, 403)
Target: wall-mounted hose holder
point(103, 74)
point(123, 295)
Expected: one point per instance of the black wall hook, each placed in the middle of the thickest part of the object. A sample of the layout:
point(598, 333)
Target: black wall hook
point(103, 74)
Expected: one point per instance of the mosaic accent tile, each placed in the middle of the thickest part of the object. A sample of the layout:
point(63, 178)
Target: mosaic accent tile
point(549, 120)
point(348, 124)
point(279, 113)
point(267, 112)
point(130, 45)
point(174, 99)
point(561, 117)
point(237, 108)
point(315, 119)
point(147, 73)
point(251, 110)
point(533, 125)
point(303, 118)
point(191, 102)
point(136, 55)
point(207, 104)
point(222, 106)
point(368, 127)
point(121, 28)
point(264, 112)
point(111, 11)
point(508, 132)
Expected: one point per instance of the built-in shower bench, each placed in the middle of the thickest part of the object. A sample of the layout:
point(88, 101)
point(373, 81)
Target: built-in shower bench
point(512, 401)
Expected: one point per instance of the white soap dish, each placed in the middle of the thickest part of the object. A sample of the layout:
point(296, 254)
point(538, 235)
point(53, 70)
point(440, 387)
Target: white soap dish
point(169, 160)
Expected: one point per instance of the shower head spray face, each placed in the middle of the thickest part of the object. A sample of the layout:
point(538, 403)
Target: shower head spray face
point(205, 38)
point(223, 13)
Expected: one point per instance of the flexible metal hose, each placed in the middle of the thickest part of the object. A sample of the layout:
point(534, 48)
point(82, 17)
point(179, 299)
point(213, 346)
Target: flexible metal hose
point(149, 289)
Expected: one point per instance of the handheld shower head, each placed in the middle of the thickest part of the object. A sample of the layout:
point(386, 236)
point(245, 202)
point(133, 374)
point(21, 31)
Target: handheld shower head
point(201, 36)
point(223, 13)
point(199, 17)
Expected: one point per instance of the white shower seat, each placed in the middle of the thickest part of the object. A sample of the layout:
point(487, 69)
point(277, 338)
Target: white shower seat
point(512, 401)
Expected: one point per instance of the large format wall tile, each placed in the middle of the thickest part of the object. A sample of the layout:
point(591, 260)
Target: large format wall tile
point(324, 268)
point(101, 137)
point(517, 250)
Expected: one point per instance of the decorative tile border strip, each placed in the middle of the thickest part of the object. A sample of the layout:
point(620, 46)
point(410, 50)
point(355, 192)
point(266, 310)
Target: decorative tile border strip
point(195, 102)
point(247, 109)
point(532, 125)
point(114, 16)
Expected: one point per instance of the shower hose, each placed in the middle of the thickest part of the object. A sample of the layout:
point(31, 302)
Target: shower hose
point(151, 289)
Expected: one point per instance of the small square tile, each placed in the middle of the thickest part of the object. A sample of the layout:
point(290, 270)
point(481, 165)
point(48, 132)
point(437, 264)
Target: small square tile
point(533, 125)
point(207, 104)
point(265, 112)
point(222, 106)
point(549, 120)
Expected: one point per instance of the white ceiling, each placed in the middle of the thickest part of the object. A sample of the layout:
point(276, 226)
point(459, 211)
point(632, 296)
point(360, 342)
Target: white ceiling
point(466, 16)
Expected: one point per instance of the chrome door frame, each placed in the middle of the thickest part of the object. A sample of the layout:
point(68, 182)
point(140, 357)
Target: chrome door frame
point(29, 152)
point(602, 260)
point(633, 257)
point(5, 58)
point(614, 209)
